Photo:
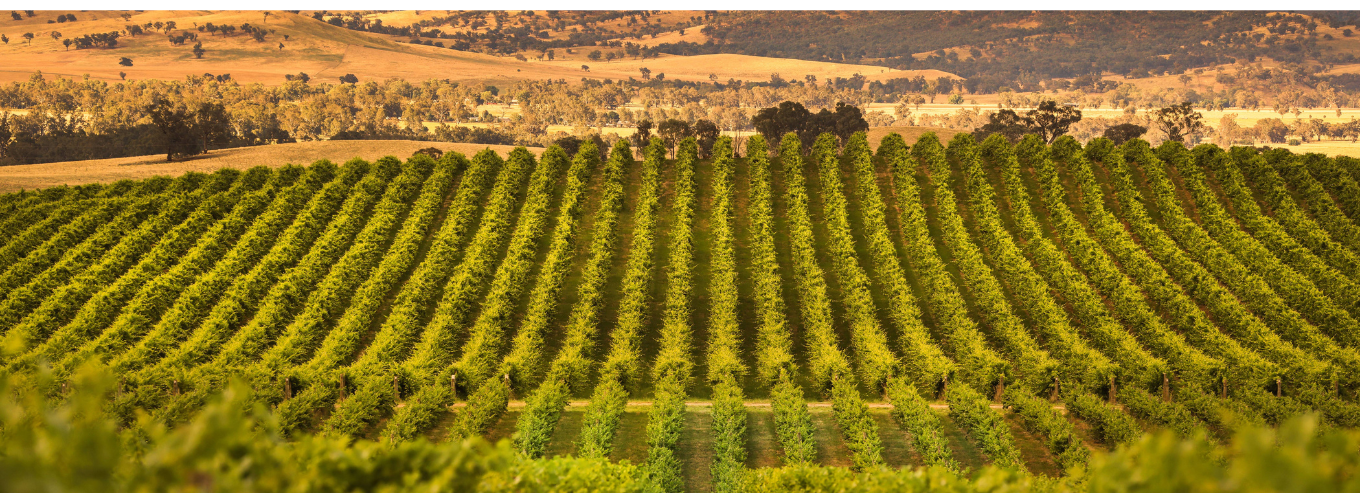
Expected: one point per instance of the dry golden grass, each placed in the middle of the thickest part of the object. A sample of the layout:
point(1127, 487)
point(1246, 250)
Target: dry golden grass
point(327, 52)
point(909, 134)
point(33, 176)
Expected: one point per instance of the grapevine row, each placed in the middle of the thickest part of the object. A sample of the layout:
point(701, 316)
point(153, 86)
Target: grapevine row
point(830, 367)
point(774, 353)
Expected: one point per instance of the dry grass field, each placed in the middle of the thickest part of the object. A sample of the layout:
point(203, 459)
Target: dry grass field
point(327, 52)
point(33, 176)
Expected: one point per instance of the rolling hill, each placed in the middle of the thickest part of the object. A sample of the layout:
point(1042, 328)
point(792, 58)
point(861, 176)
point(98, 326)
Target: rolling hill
point(327, 52)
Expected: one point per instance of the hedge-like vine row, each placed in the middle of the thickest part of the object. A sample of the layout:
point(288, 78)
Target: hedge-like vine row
point(1038, 416)
point(568, 369)
point(1248, 330)
point(229, 310)
point(774, 350)
point(1170, 415)
point(47, 302)
point(1332, 173)
point(978, 365)
point(725, 368)
point(40, 255)
point(923, 361)
point(243, 354)
point(621, 366)
point(830, 367)
point(74, 219)
point(1246, 367)
point(1263, 176)
point(1112, 426)
point(488, 401)
point(912, 412)
point(672, 370)
point(877, 363)
point(973, 412)
point(1273, 234)
point(157, 295)
point(1128, 301)
point(1036, 366)
point(824, 354)
point(524, 364)
point(102, 308)
point(74, 259)
point(1318, 203)
point(370, 369)
point(196, 300)
point(1296, 289)
point(1284, 330)
point(1090, 314)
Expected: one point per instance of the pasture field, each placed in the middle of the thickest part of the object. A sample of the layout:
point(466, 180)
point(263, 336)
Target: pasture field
point(327, 52)
point(737, 322)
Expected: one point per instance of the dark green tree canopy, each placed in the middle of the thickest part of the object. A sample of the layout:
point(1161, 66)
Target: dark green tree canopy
point(1179, 121)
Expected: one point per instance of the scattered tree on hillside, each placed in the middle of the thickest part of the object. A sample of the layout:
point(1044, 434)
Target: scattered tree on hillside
point(646, 73)
point(1179, 121)
point(29, 13)
point(16, 15)
point(1124, 132)
point(125, 61)
point(28, 38)
point(55, 35)
point(198, 50)
point(585, 67)
point(349, 79)
point(595, 55)
point(122, 75)
point(4, 39)
point(67, 42)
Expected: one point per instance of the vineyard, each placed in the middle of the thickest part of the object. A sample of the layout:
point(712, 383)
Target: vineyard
point(808, 315)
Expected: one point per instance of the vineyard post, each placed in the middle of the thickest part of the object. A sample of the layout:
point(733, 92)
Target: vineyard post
point(342, 386)
point(396, 387)
point(287, 388)
point(944, 387)
point(1278, 390)
point(1112, 390)
point(1000, 388)
point(63, 387)
point(174, 387)
point(1053, 395)
point(1223, 381)
point(1166, 388)
point(122, 382)
point(453, 385)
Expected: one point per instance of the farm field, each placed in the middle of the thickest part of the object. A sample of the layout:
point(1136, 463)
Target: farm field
point(327, 52)
point(35, 176)
point(876, 305)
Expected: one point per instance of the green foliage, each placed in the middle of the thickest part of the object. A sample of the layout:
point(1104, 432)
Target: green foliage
point(972, 412)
